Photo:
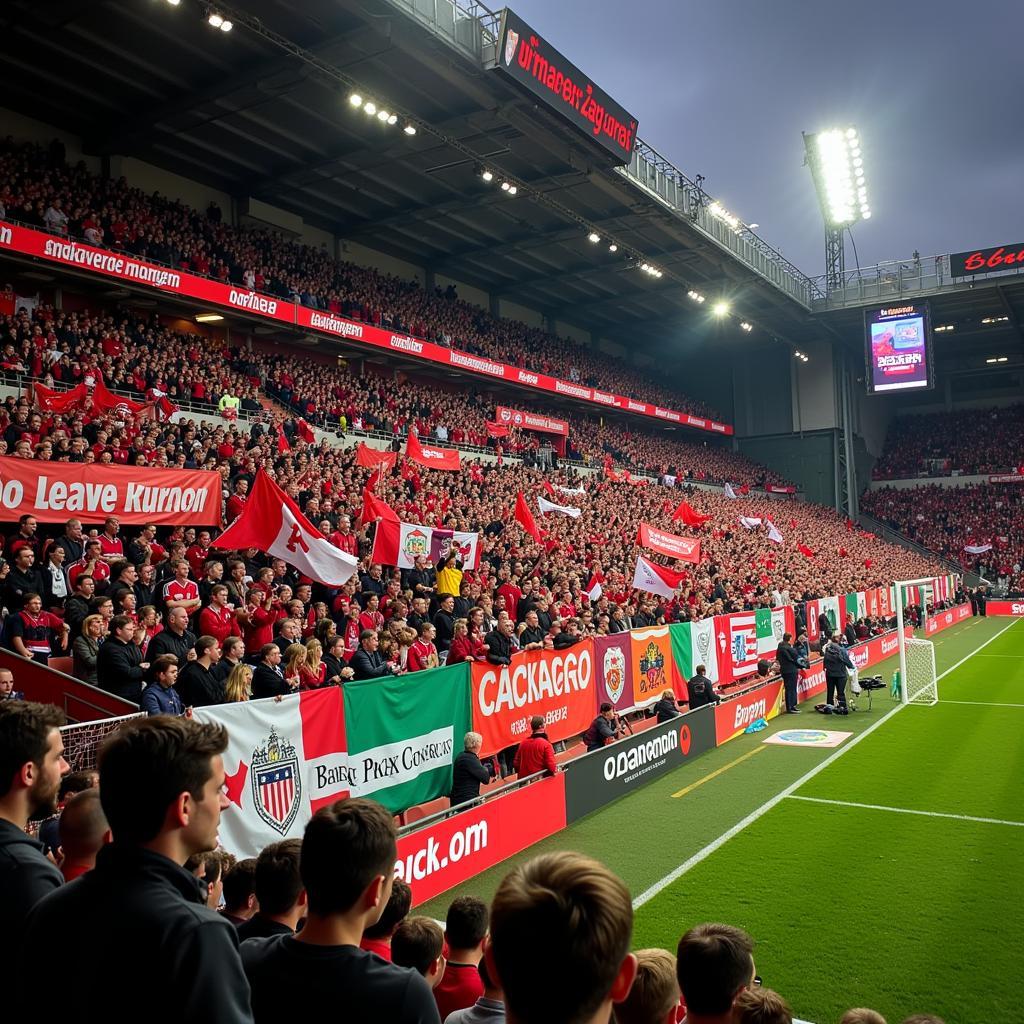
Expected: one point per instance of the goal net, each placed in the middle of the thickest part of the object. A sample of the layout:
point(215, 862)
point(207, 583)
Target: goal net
point(82, 740)
point(918, 679)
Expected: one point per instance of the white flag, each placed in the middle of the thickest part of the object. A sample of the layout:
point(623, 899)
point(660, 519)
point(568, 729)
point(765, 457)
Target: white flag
point(730, 493)
point(595, 590)
point(570, 490)
point(773, 533)
point(749, 521)
point(546, 506)
point(977, 549)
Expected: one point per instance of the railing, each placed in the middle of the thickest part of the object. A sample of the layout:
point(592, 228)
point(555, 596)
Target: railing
point(896, 279)
point(467, 25)
point(887, 533)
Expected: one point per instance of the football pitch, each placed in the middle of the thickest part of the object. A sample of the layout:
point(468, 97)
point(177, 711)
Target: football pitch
point(885, 872)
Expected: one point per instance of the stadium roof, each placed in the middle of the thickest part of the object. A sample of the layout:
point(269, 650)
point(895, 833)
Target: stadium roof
point(236, 111)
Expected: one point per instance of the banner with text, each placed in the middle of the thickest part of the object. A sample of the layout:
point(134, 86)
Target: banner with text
point(733, 716)
point(530, 421)
point(54, 492)
point(944, 619)
point(686, 549)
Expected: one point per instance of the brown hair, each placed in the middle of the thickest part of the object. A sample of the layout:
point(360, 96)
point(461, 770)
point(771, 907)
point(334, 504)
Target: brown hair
point(560, 929)
point(417, 943)
point(761, 1006)
point(655, 990)
point(862, 1015)
point(713, 962)
point(25, 729)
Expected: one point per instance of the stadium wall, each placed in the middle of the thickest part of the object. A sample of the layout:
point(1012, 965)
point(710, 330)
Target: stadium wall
point(808, 459)
point(761, 391)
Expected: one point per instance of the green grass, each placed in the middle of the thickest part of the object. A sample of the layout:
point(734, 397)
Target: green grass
point(850, 906)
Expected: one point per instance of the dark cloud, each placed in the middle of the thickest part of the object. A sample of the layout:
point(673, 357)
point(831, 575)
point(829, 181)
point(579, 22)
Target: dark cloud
point(724, 89)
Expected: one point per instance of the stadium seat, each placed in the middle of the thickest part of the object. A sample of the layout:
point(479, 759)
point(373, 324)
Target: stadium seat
point(61, 665)
point(571, 754)
point(431, 807)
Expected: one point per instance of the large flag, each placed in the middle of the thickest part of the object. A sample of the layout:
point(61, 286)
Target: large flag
point(397, 543)
point(546, 507)
point(577, 491)
point(656, 579)
point(496, 429)
point(272, 522)
point(977, 549)
point(524, 517)
point(686, 549)
point(750, 522)
point(104, 400)
point(742, 638)
point(686, 514)
point(59, 401)
point(773, 533)
point(432, 458)
point(771, 624)
point(404, 733)
point(285, 760)
point(693, 644)
point(729, 492)
point(305, 431)
point(371, 457)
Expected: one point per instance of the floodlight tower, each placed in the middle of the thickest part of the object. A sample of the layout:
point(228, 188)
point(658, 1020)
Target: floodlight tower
point(837, 167)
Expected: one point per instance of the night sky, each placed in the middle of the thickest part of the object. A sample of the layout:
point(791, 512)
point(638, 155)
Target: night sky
point(724, 89)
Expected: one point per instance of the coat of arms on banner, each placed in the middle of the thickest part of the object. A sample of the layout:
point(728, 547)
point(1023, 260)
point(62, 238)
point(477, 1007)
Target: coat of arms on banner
point(276, 782)
point(416, 543)
point(778, 627)
point(614, 673)
point(703, 644)
point(652, 668)
point(511, 42)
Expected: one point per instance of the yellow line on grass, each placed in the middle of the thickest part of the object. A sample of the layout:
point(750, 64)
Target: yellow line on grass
point(717, 772)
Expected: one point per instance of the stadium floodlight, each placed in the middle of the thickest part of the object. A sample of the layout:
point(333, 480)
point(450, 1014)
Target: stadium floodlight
point(208, 318)
point(696, 296)
point(369, 108)
point(217, 20)
point(943, 328)
point(719, 212)
point(720, 308)
point(837, 167)
point(174, 3)
point(392, 119)
point(356, 100)
point(512, 190)
point(613, 247)
point(594, 237)
point(487, 175)
point(409, 129)
point(505, 186)
point(744, 326)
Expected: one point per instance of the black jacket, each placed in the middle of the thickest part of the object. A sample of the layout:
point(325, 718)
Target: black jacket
point(444, 623)
point(168, 642)
point(789, 661)
point(73, 549)
point(267, 683)
point(46, 578)
point(600, 731)
point(701, 691)
point(499, 648)
point(117, 668)
point(468, 773)
point(26, 876)
point(666, 710)
point(260, 927)
point(198, 687)
point(144, 914)
point(334, 667)
point(531, 635)
point(76, 608)
point(368, 664)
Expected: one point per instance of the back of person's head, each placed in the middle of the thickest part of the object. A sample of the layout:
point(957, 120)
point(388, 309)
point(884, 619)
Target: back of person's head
point(417, 943)
point(714, 963)
point(465, 924)
point(560, 931)
point(349, 847)
point(922, 1018)
point(148, 765)
point(240, 885)
point(536, 723)
point(25, 729)
point(78, 782)
point(278, 884)
point(395, 912)
point(83, 826)
point(761, 1006)
point(655, 991)
point(862, 1015)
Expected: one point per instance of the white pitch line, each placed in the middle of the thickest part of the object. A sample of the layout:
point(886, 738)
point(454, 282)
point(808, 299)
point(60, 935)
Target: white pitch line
point(676, 873)
point(907, 810)
point(982, 703)
point(1015, 656)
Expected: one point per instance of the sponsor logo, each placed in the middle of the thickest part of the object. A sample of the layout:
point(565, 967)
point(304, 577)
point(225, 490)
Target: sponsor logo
point(329, 322)
point(406, 344)
point(719, 427)
point(1017, 609)
point(897, 311)
point(400, 761)
point(571, 389)
point(480, 365)
point(747, 713)
point(429, 859)
point(890, 644)
point(704, 644)
point(251, 300)
point(6, 235)
point(859, 657)
point(276, 783)
point(527, 378)
point(511, 45)
point(505, 415)
point(614, 668)
point(626, 761)
point(667, 414)
point(600, 396)
point(635, 406)
point(524, 683)
point(694, 421)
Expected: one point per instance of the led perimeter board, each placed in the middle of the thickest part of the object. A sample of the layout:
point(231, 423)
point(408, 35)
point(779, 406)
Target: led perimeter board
point(898, 348)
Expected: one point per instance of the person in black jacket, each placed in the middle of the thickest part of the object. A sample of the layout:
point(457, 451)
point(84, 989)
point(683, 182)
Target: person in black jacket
point(162, 790)
point(367, 662)
point(29, 735)
point(197, 685)
point(469, 772)
point(71, 541)
point(444, 623)
point(176, 639)
point(22, 579)
point(837, 661)
point(666, 708)
point(268, 680)
point(603, 728)
point(789, 667)
point(700, 690)
point(77, 606)
point(499, 643)
point(119, 665)
point(531, 636)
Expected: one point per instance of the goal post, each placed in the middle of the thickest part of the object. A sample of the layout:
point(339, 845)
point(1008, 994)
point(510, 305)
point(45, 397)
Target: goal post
point(918, 678)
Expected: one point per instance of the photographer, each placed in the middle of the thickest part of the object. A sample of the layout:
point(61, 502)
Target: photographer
point(604, 728)
point(837, 661)
point(789, 666)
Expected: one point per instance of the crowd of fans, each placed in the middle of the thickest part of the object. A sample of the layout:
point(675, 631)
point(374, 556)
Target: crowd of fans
point(135, 879)
point(949, 520)
point(969, 441)
point(39, 189)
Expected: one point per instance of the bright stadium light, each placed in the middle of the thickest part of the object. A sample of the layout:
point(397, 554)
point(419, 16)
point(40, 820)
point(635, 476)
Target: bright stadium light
point(613, 247)
point(512, 190)
point(719, 212)
point(696, 296)
point(720, 308)
point(744, 326)
point(392, 119)
point(356, 100)
point(174, 3)
point(487, 175)
point(594, 237)
point(837, 166)
point(409, 129)
point(369, 108)
point(505, 186)
point(382, 115)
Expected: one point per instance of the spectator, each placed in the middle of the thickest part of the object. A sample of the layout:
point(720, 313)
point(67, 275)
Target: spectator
point(197, 684)
point(700, 690)
point(418, 943)
point(161, 697)
point(423, 654)
point(56, 585)
point(535, 754)
point(7, 690)
point(22, 579)
point(279, 893)
point(238, 685)
point(232, 651)
point(162, 790)
point(465, 929)
point(377, 937)
point(666, 707)
point(240, 892)
point(76, 608)
point(119, 665)
point(347, 867)
point(217, 619)
point(84, 831)
point(761, 1006)
point(33, 633)
point(268, 679)
point(70, 784)
point(368, 662)
point(714, 965)
point(31, 765)
point(488, 1009)
point(560, 931)
point(862, 1015)
point(469, 773)
point(654, 997)
point(499, 643)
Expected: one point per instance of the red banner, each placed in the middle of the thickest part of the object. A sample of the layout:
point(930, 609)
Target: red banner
point(431, 458)
point(176, 282)
point(776, 489)
point(1004, 608)
point(530, 421)
point(370, 457)
point(686, 549)
point(558, 685)
point(53, 492)
point(449, 852)
point(496, 430)
point(944, 619)
point(733, 716)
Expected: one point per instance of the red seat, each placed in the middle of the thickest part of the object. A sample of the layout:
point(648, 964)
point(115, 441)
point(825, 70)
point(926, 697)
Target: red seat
point(61, 665)
point(421, 811)
point(644, 723)
point(571, 754)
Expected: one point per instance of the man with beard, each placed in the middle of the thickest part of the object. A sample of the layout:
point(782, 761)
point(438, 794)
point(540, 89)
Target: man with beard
point(31, 765)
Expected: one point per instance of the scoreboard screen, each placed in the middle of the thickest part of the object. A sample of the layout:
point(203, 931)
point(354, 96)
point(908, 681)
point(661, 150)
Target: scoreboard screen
point(898, 348)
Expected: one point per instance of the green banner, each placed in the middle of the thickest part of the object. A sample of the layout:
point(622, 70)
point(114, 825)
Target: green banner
point(403, 733)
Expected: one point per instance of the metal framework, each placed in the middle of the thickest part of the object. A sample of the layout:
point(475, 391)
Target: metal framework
point(835, 259)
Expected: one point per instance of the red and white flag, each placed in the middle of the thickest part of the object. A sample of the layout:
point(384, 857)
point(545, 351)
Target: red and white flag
point(656, 579)
point(398, 543)
point(750, 521)
point(285, 760)
point(687, 549)
point(370, 457)
point(773, 533)
point(272, 522)
point(432, 458)
point(594, 589)
point(546, 507)
point(729, 492)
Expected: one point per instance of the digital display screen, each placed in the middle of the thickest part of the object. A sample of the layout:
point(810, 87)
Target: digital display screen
point(898, 348)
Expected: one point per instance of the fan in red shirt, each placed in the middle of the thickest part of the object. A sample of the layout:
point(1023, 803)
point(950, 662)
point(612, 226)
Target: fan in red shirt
point(371, 618)
point(90, 563)
point(343, 538)
point(258, 619)
point(181, 592)
point(111, 545)
point(217, 619)
point(464, 931)
point(198, 553)
point(423, 653)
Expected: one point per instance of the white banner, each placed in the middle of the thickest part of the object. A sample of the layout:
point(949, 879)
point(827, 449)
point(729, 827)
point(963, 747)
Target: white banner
point(546, 506)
